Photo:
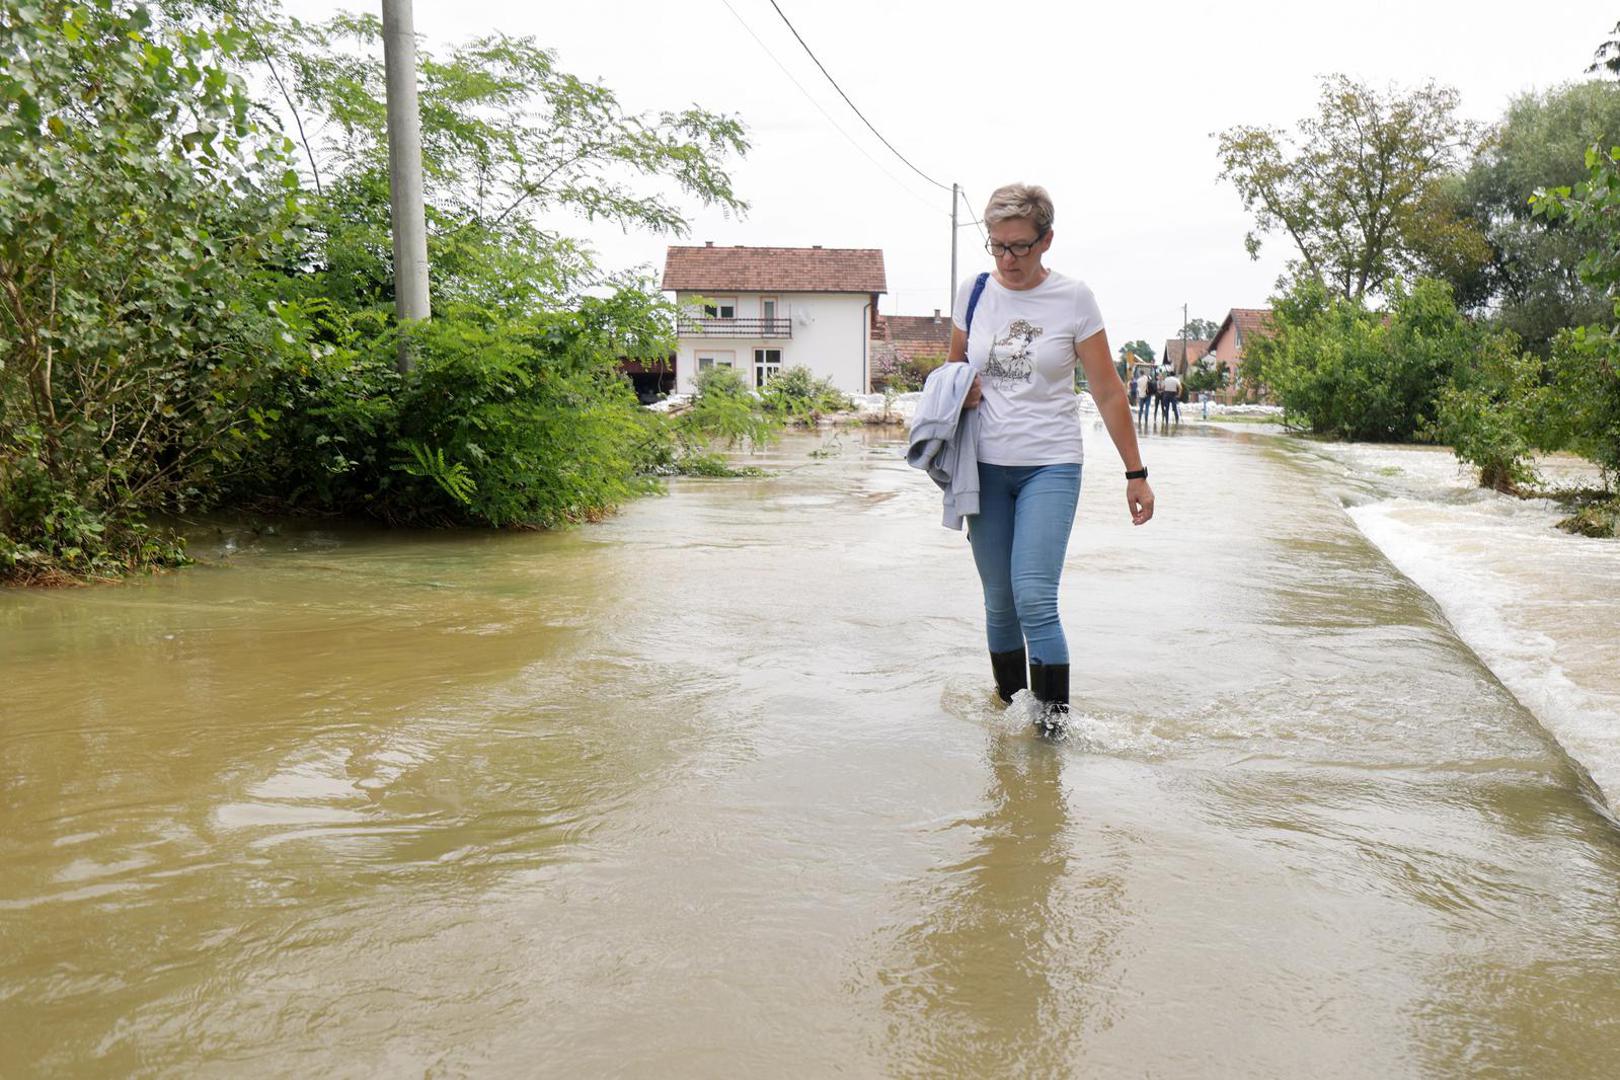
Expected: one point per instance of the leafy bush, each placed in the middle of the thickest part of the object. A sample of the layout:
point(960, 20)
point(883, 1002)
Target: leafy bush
point(724, 411)
point(714, 466)
point(795, 393)
point(331, 413)
point(49, 536)
point(1583, 408)
point(503, 420)
point(1483, 419)
point(1353, 373)
point(528, 420)
point(141, 215)
point(720, 381)
point(1200, 378)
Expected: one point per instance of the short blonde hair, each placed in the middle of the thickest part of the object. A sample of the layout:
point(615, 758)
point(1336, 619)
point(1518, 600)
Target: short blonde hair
point(1013, 201)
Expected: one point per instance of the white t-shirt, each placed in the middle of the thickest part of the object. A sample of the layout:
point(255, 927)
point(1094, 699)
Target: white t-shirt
point(1172, 385)
point(1022, 346)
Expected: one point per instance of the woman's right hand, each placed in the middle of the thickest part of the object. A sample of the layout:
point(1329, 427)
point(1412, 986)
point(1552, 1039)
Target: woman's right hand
point(973, 396)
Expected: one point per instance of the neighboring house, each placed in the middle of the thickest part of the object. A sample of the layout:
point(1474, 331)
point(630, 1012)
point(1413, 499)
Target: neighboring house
point(1240, 327)
point(906, 339)
point(762, 309)
point(1178, 354)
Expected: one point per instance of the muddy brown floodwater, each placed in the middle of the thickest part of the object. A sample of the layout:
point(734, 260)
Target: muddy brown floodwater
point(719, 788)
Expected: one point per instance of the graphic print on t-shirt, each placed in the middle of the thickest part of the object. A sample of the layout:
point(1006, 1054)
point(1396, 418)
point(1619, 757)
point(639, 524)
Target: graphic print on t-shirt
point(1010, 360)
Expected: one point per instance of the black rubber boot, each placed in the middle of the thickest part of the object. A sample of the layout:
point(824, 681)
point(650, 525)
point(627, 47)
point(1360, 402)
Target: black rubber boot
point(1012, 672)
point(1050, 685)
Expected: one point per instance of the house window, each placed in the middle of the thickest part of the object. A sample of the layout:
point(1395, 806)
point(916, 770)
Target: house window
point(705, 361)
point(721, 308)
point(772, 323)
point(767, 365)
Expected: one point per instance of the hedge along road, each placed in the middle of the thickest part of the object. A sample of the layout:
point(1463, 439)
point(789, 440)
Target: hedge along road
point(718, 788)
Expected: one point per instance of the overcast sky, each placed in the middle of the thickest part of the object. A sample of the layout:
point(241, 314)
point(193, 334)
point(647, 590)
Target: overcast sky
point(1111, 107)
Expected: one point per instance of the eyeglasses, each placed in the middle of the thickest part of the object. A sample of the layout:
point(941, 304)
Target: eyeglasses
point(1016, 250)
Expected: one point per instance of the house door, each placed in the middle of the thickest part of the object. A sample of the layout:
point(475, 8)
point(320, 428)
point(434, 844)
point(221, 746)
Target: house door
point(767, 365)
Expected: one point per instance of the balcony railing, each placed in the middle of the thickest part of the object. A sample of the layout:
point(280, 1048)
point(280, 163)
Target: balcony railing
point(709, 326)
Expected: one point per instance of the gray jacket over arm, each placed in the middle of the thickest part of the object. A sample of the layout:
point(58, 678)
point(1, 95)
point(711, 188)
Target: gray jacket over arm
point(945, 440)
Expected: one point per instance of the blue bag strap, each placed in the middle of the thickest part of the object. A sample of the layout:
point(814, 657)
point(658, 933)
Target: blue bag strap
point(973, 301)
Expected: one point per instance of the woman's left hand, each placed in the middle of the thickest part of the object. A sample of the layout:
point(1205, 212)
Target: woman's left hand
point(1139, 498)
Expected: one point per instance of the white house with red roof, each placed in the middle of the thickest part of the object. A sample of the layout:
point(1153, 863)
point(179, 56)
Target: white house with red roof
point(762, 309)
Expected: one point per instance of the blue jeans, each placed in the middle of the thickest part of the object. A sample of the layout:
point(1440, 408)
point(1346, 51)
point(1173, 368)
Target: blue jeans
point(1019, 537)
point(1144, 406)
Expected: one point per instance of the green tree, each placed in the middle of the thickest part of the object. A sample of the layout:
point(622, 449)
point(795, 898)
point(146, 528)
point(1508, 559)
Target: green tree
point(506, 136)
point(1531, 281)
point(1199, 330)
point(1585, 361)
point(178, 313)
point(1607, 56)
point(140, 207)
point(517, 414)
point(1139, 349)
point(1354, 189)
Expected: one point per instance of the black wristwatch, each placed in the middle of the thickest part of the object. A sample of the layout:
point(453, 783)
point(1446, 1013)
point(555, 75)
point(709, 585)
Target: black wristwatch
point(1136, 474)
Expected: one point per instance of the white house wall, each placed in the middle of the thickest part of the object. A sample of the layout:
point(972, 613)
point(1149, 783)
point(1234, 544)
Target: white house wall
point(830, 336)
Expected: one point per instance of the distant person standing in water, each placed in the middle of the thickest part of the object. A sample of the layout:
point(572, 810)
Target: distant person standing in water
point(1144, 402)
point(1030, 326)
point(1170, 396)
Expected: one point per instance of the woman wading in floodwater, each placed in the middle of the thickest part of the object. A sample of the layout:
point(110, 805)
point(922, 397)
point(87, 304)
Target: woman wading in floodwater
point(1029, 327)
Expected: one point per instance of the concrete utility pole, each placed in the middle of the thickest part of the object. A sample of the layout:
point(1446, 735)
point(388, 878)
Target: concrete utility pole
point(1186, 361)
point(953, 251)
point(405, 170)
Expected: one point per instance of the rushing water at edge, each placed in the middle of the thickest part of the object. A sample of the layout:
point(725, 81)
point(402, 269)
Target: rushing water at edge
point(719, 788)
point(1540, 607)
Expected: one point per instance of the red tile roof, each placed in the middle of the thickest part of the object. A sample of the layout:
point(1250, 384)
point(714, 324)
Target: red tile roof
point(774, 269)
point(1246, 321)
point(1253, 321)
point(914, 336)
point(1196, 348)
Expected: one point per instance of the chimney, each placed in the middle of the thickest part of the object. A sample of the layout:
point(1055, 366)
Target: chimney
point(708, 243)
point(815, 247)
point(936, 316)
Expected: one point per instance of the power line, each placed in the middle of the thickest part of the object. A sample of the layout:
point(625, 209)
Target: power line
point(977, 223)
point(825, 113)
point(851, 104)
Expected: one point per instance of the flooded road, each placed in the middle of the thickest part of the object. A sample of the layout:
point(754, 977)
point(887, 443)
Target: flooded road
point(720, 787)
